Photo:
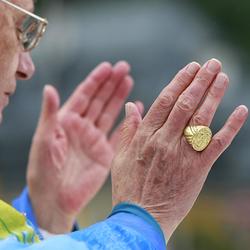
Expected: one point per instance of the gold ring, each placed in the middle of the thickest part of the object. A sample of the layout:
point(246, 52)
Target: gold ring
point(198, 137)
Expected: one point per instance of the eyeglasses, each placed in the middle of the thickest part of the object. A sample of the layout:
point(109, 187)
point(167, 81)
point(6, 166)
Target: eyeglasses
point(32, 28)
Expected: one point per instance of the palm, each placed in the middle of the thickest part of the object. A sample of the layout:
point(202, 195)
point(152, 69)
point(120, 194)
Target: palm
point(84, 163)
point(71, 150)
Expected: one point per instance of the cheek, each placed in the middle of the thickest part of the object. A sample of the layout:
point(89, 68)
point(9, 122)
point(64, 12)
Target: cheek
point(8, 29)
point(9, 47)
point(25, 4)
point(8, 69)
point(8, 77)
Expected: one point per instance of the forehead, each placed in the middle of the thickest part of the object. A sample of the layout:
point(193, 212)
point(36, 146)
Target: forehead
point(25, 4)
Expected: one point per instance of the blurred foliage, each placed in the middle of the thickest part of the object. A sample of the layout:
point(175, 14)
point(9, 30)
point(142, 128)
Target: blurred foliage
point(207, 227)
point(234, 19)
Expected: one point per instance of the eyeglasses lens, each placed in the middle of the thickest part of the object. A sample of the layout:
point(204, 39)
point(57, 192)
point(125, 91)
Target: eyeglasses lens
point(32, 30)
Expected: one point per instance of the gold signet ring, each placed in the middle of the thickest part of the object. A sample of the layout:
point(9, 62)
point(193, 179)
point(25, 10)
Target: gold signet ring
point(198, 137)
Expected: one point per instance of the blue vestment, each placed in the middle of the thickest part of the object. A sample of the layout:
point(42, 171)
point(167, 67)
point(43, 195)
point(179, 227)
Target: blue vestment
point(128, 227)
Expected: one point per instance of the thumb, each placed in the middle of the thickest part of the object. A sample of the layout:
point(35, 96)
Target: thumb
point(130, 125)
point(115, 136)
point(50, 104)
point(140, 107)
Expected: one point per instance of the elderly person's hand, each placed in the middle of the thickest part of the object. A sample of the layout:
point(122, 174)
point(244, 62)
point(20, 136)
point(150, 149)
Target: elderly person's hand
point(72, 151)
point(155, 166)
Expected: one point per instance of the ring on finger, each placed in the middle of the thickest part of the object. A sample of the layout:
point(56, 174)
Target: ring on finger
point(198, 137)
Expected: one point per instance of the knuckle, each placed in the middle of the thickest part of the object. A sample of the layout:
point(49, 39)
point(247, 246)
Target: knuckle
point(199, 119)
point(182, 78)
point(214, 93)
point(232, 129)
point(186, 103)
point(145, 152)
point(159, 143)
point(203, 79)
point(166, 100)
point(220, 143)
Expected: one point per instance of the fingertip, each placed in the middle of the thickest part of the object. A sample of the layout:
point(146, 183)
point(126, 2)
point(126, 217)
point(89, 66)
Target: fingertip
point(130, 124)
point(223, 74)
point(221, 81)
point(129, 108)
point(51, 99)
point(241, 112)
point(104, 68)
point(107, 65)
point(196, 63)
point(213, 66)
point(129, 81)
point(244, 107)
point(47, 88)
point(101, 71)
point(124, 65)
point(47, 92)
point(192, 68)
point(216, 60)
point(140, 106)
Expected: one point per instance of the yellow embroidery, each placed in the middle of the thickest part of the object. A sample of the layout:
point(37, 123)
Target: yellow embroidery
point(13, 223)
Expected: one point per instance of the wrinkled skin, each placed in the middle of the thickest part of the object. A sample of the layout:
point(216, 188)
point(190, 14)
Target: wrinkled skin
point(71, 152)
point(14, 64)
point(155, 167)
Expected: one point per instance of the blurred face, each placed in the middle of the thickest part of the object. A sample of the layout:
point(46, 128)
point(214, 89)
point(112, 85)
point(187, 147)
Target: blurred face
point(14, 63)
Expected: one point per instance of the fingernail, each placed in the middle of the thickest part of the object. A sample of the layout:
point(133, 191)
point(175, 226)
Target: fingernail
point(46, 87)
point(241, 112)
point(124, 64)
point(192, 68)
point(106, 64)
point(128, 109)
point(221, 80)
point(213, 66)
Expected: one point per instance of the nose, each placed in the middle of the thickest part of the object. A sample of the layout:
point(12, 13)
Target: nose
point(26, 67)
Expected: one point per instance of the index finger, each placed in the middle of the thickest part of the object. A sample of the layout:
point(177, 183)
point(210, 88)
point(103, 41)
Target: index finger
point(161, 108)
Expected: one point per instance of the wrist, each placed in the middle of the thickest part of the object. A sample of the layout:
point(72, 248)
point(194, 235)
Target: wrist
point(55, 223)
point(135, 218)
point(167, 224)
point(50, 218)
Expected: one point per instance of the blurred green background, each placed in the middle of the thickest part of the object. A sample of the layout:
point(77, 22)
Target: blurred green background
point(157, 38)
